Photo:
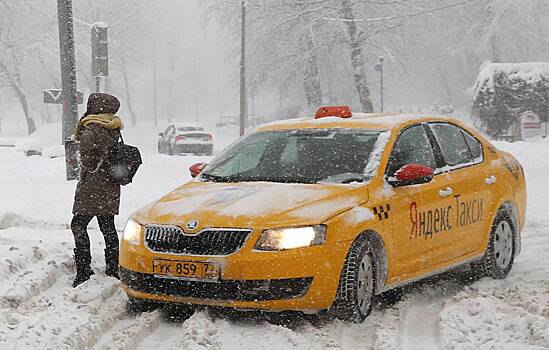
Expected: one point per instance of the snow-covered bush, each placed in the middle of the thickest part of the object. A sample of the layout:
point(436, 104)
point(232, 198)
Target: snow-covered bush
point(504, 91)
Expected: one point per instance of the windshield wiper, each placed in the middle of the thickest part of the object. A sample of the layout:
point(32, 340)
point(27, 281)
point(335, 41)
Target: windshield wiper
point(217, 178)
point(345, 178)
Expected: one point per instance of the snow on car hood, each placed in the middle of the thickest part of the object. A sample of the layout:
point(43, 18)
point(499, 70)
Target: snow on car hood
point(253, 204)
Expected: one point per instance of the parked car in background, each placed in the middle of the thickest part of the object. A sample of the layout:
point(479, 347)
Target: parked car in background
point(185, 138)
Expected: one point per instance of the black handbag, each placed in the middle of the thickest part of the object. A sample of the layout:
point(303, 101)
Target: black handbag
point(124, 162)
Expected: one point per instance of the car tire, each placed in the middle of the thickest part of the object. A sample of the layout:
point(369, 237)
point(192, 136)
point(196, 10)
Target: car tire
point(170, 150)
point(134, 305)
point(500, 254)
point(355, 294)
point(160, 150)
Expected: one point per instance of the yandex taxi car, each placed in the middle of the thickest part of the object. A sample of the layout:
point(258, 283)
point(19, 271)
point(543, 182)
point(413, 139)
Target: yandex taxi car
point(324, 213)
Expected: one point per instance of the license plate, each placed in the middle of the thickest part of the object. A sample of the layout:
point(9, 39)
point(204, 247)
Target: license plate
point(186, 269)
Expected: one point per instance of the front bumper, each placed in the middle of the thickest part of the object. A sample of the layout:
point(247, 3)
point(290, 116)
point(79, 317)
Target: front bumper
point(299, 279)
point(243, 290)
point(193, 148)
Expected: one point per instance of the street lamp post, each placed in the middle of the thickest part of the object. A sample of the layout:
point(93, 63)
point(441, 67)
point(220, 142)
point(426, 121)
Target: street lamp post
point(379, 68)
point(243, 95)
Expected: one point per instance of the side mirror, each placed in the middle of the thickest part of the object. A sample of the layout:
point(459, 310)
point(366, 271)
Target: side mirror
point(411, 174)
point(160, 134)
point(196, 169)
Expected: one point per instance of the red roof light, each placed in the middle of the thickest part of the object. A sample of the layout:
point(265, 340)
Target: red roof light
point(334, 111)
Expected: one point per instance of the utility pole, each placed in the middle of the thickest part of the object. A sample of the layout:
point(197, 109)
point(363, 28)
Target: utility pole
point(155, 96)
point(243, 96)
point(379, 68)
point(69, 92)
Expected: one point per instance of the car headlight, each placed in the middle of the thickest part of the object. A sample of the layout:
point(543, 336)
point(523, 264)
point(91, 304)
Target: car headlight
point(132, 232)
point(292, 237)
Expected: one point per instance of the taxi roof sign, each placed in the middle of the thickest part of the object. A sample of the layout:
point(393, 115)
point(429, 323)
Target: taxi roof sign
point(334, 111)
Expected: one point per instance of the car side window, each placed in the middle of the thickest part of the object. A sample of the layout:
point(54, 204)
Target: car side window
point(474, 145)
point(412, 146)
point(452, 144)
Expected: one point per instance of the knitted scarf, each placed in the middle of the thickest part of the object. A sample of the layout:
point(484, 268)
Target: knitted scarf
point(108, 121)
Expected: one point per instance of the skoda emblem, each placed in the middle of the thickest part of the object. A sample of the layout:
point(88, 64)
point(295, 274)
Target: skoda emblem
point(191, 225)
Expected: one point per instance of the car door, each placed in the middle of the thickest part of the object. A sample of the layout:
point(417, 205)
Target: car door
point(421, 229)
point(470, 185)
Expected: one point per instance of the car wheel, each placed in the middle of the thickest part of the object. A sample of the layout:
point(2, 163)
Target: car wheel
point(139, 305)
point(355, 293)
point(160, 150)
point(499, 257)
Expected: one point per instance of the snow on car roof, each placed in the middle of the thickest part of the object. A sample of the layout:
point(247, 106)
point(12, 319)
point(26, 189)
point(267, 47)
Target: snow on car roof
point(377, 121)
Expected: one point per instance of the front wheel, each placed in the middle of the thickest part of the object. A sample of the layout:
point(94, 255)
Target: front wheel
point(499, 257)
point(355, 293)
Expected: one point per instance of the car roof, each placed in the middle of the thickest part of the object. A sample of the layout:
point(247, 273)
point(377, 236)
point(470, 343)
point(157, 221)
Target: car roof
point(373, 121)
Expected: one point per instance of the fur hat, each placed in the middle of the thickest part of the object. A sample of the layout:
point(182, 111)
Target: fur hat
point(99, 103)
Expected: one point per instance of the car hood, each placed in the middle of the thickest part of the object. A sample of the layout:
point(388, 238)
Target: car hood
point(252, 204)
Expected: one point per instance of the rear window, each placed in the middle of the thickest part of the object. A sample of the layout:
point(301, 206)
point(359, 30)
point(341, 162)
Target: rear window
point(190, 128)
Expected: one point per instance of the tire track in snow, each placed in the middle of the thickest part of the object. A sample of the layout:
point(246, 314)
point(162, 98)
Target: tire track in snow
point(63, 317)
point(18, 259)
point(419, 327)
point(130, 331)
point(420, 312)
point(33, 281)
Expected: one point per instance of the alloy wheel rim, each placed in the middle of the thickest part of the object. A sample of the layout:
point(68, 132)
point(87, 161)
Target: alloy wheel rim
point(365, 283)
point(503, 244)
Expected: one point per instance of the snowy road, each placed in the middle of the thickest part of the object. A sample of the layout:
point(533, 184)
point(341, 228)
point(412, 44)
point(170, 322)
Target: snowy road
point(39, 309)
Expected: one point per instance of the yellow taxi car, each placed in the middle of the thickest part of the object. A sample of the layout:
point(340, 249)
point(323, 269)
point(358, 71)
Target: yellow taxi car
point(323, 213)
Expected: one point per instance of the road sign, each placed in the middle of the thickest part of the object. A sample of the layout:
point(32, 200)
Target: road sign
point(56, 96)
point(530, 125)
point(100, 52)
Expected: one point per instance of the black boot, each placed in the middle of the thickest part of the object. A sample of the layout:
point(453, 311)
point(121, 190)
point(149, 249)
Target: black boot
point(111, 261)
point(82, 260)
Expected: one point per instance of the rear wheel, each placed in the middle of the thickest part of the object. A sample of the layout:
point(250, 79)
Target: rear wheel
point(356, 286)
point(499, 257)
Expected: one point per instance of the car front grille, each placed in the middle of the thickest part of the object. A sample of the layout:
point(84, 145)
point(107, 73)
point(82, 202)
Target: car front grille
point(214, 241)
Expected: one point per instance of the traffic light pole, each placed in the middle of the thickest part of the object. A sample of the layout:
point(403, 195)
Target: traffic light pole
point(68, 82)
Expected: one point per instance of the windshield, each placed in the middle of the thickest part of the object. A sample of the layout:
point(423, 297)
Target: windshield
point(296, 156)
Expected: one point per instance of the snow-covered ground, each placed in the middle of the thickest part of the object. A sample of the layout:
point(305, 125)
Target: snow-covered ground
point(40, 310)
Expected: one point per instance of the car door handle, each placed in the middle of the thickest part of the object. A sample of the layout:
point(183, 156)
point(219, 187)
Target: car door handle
point(446, 192)
point(490, 180)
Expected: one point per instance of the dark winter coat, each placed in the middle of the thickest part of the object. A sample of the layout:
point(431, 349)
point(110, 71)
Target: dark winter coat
point(96, 194)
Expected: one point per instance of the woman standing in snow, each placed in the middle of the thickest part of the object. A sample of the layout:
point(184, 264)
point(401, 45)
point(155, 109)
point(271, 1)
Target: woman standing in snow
point(96, 194)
